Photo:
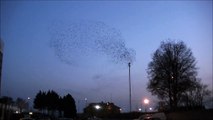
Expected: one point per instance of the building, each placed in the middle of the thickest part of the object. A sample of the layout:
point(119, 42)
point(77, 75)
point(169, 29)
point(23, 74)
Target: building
point(102, 109)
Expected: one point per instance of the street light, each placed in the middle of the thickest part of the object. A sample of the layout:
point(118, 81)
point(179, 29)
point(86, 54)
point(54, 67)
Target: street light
point(82, 103)
point(146, 102)
point(28, 101)
point(85, 102)
point(97, 107)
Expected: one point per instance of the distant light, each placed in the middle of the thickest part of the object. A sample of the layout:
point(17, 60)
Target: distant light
point(150, 109)
point(30, 113)
point(97, 107)
point(85, 99)
point(17, 112)
point(146, 101)
point(28, 98)
point(120, 109)
point(139, 109)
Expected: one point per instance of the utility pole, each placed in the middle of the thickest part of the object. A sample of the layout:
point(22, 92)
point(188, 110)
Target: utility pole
point(130, 99)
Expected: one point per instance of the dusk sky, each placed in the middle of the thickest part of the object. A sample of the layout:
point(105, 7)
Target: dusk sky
point(52, 45)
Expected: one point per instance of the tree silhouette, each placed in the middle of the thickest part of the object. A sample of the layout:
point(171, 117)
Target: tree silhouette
point(40, 101)
point(172, 72)
point(60, 106)
point(52, 102)
point(194, 98)
point(6, 100)
point(68, 106)
point(47, 101)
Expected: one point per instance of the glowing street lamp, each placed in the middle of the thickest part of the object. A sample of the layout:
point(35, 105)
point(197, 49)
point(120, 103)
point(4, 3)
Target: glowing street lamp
point(28, 102)
point(146, 102)
point(85, 102)
point(97, 107)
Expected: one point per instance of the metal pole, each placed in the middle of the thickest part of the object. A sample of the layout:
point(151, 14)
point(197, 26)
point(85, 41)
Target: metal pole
point(78, 108)
point(85, 102)
point(130, 100)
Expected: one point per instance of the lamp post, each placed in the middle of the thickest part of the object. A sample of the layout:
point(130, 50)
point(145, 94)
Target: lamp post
point(28, 101)
point(98, 110)
point(85, 102)
point(130, 99)
point(82, 103)
point(146, 102)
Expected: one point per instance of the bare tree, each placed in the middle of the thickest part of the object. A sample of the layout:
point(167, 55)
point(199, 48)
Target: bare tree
point(194, 98)
point(172, 72)
point(22, 104)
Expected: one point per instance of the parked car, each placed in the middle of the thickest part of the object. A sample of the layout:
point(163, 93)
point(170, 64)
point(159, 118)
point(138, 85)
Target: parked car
point(155, 116)
point(27, 118)
point(65, 119)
